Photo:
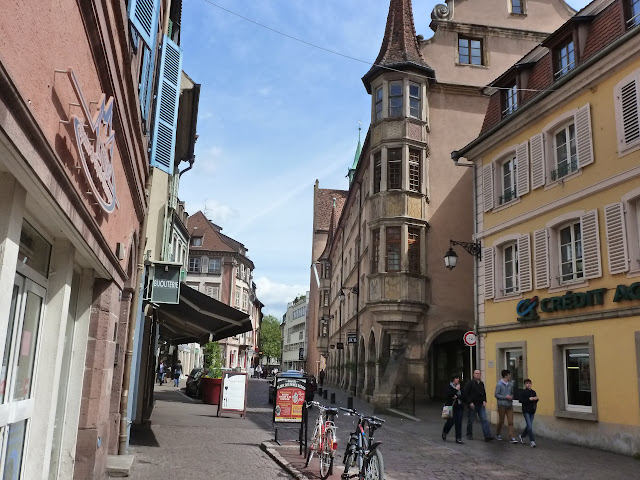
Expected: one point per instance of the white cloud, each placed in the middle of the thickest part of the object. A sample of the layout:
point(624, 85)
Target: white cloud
point(275, 296)
point(209, 159)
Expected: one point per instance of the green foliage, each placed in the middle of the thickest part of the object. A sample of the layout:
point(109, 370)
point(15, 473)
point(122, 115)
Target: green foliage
point(270, 337)
point(213, 360)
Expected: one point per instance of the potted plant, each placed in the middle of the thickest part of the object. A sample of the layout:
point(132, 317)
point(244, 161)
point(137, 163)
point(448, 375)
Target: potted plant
point(212, 378)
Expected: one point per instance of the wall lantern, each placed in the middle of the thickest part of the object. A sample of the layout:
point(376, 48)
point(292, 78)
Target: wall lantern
point(350, 289)
point(451, 258)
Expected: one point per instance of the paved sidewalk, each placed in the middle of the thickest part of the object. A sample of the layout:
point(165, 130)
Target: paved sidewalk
point(187, 440)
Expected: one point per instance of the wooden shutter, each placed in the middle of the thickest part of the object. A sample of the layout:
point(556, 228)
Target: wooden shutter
point(166, 114)
point(583, 136)
point(591, 245)
point(616, 238)
point(541, 258)
point(522, 157)
point(627, 102)
point(489, 282)
point(538, 167)
point(487, 186)
point(524, 263)
point(144, 18)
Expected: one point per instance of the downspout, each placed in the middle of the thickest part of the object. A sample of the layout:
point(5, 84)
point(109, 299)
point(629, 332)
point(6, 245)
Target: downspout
point(133, 317)
point(358, 282)
point(339, 295)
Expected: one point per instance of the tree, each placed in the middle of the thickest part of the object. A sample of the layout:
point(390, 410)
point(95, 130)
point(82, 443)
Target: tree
point(270, 337)
point(213, 359)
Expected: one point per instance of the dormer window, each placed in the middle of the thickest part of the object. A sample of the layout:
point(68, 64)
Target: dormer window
point(378, 97)
point(196, 241)
point(565, 58)
point(509, 100)
point(414, 100)
point(634, 17)
point(395, 99)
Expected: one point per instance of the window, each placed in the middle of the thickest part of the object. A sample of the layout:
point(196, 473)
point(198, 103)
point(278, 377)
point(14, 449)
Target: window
point(393, 249)
point(634, 18)
point(196, 241)
point(577, 373)
point(394, 169)
point(327, 270)
point(212, 290)
point(325, 298)
point(194, 264)
point(575, 378)
point(414, 100)
point(375, 250)
point(509, 180)
point(395, 99)
point(414, 170)
point(413, 250)
point(516, 6)
point(565, 59)
point(571, 252)
point(470, 51)
point(301, 336)
point(565, 152)
point(245, 300)
point(512, 356)
point(378, 100)
point(377, 171)
point(510, 268)
point(509, 100)
point(237, 298)
point(214, 266)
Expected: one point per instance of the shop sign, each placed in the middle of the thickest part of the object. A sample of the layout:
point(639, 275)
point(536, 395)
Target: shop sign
point(352, 338)
point(289, 399)
point(165, 283)
point(95, 140)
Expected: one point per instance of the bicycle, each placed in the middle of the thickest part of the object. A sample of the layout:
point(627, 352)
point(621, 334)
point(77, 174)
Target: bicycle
point(324, 440)
point(362, 451)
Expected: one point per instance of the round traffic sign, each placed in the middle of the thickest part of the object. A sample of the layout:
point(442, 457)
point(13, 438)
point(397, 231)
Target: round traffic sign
point(470, 339)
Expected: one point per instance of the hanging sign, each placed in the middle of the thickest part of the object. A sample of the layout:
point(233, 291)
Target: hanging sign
point(95, 140)
point(289, 399)
point(165, 283)
point(233, 393)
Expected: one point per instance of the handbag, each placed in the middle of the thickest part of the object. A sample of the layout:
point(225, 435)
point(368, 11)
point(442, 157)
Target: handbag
point(447, 411)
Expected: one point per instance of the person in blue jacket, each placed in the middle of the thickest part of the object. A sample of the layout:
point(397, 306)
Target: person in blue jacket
point(529, 400)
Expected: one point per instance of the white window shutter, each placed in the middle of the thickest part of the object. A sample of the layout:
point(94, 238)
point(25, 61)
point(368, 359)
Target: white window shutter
point(522, 157)
point(538, 167)
point(583, 136)
point(524, 263)
point(541, 258)
point(628, 113)
point(616, 238)
point(591, 245)
point(489, 282)
point(487, 186)
point(144, 18)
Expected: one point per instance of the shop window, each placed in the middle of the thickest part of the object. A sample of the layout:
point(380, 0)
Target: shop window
point(375, 250)
point(509, 180)
point(565, 152)
point(509, 100)
point(377, 171)
point(415, 170)
point(470, 51)
point(393, 249)
point(196, 241)
point(413, 250)
point(415, 104)
point(194, 264)
point(34, 250)
point(574, 378)
point(394, 169)
point(395, 99)
point(565, 58)
point(378, 103)
point(571, 263)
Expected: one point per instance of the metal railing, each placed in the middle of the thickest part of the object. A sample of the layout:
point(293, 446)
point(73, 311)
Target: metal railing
point(406, 398)
point(564, 170)
point(507, 196)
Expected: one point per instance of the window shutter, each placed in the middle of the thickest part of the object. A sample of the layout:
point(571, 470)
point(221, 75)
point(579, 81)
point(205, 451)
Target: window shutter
point(488, 259)
point(538, 170)
point(616, 238)
point(487, 186)
point(144, 81)
point(628, 113)
point(541, 258)
point(524, 263)
point(522, 157)
point(583, 136)
point(166, 114)
point(144, 18)
point(591, 245)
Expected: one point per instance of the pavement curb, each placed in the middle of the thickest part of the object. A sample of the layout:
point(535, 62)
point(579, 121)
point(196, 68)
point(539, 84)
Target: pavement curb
point(398, 413)
point(271, 450)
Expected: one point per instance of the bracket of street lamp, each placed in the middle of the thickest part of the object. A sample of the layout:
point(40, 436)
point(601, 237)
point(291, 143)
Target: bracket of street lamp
point(451, 258)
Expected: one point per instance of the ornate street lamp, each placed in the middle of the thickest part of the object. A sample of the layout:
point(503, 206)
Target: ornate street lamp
point(451, 258)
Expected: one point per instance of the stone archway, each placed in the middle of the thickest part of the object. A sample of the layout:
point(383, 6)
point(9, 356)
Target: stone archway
point(447, 354)
point(371, 365)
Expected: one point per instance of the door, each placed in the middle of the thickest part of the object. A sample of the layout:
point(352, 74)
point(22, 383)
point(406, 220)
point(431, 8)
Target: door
point(17, 374)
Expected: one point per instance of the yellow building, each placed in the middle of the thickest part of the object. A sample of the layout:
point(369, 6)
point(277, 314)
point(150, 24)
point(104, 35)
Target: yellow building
point(557, 170)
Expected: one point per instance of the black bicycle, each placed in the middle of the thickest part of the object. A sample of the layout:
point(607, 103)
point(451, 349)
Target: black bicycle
point(362, 451)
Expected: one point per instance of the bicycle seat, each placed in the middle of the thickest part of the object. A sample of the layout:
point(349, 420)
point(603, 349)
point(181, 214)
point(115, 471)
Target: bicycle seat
point(331, 411)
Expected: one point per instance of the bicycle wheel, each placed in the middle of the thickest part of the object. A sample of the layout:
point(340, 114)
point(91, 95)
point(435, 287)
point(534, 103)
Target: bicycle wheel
point(315, 443)
point(326, 456)
point(374, 466)
point(349, 458)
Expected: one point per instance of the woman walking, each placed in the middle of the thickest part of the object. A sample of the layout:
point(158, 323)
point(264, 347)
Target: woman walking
point(453, 398)
point(177, 371)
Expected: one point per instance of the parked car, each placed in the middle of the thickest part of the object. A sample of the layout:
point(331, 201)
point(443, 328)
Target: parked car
point(192, 387)
point(312, 385)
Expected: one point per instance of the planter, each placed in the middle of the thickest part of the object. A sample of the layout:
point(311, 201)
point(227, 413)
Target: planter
point(210, 388)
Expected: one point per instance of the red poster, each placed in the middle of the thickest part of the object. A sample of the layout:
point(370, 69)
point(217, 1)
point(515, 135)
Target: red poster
point(290, 395)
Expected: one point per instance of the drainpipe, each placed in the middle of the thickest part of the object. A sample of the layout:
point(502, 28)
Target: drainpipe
point(133, 316)
point(357, 292)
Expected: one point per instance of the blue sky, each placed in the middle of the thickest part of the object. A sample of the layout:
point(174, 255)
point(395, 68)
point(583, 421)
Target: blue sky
point(274, 116)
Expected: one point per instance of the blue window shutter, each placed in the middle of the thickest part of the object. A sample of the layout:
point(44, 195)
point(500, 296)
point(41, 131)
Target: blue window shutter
point(166, 113)
point(144, 17)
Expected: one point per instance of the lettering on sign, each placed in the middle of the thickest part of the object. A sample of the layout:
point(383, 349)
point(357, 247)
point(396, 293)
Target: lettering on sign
point(165, 283)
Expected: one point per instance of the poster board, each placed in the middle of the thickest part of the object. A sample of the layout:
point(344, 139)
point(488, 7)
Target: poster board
point(289, 399)
point(233, 393)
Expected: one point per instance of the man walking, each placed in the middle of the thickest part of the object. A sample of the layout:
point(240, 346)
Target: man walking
point(475, 396)
point(504, 394)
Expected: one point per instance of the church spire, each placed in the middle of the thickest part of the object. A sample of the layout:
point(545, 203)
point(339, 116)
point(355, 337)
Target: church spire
point(400, 49)
point(356, 158)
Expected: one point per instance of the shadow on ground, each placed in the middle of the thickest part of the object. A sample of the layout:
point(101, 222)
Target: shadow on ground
point(143, 436)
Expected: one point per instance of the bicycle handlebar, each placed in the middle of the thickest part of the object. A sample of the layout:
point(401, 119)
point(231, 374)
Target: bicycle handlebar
point(353, 412)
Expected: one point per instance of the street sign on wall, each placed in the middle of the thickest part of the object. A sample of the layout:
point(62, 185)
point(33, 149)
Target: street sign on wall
point(352, 338)
point(165, 283)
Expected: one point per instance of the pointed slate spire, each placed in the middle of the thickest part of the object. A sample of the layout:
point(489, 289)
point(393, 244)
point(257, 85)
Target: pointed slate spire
point(356, 158)
point(400, 49)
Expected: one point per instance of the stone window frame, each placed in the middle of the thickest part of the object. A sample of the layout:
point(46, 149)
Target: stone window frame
point(560, 410)
point(501, 348)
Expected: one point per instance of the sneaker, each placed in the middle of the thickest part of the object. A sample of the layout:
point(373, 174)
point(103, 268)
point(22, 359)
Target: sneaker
point(520, 437)
point(533, 444)
point(459, 441)
point(498, 437)
point(513, 440)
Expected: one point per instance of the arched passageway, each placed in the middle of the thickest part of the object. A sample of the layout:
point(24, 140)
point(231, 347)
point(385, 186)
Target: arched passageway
point(447, 355)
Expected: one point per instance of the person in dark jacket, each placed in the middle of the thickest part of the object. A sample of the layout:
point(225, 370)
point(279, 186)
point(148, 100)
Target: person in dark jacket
point(475, 397)
point(453, 396)
point(529, 400)
point(177, 372)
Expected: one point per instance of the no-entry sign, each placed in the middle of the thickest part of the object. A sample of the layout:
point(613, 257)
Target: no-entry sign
point(470, 339)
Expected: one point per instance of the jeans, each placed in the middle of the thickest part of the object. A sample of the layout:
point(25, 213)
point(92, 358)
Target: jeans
point(481, 412)
point(528, 430)
point(502, 412)
point(177, 381)
point(458, 413)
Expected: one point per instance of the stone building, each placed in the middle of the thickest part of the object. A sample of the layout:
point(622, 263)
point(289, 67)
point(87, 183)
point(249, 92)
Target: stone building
point(294, 334)
point(395, 315)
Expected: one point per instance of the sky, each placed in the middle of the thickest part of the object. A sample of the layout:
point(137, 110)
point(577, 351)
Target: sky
point(276, 114)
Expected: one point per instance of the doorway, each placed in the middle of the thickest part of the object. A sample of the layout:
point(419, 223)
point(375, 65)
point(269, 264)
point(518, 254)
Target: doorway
point(447, 355)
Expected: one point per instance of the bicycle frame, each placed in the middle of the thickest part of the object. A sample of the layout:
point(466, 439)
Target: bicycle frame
point(365, 446)
point(324, 440)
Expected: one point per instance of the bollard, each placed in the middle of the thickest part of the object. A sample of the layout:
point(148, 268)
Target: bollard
point(350, 402)
point(319, 390)
point(333, 398)
point(324, 394)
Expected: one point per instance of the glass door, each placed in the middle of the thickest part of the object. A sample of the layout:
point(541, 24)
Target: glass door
point(17, 374)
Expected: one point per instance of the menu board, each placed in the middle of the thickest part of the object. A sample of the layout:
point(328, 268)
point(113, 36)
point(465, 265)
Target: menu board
point(289, 400)
point(233, 393)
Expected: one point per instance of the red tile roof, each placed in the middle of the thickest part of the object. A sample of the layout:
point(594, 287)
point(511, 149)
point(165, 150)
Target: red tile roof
point(324, 207)
point(212, 240)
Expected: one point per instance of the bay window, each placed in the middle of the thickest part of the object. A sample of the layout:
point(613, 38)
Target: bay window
point(393, 249)
point(415, 172)
point(395, 99)
point(414, 100)
point(394, 169)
